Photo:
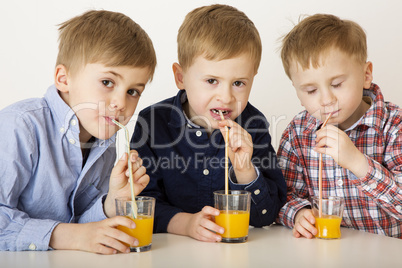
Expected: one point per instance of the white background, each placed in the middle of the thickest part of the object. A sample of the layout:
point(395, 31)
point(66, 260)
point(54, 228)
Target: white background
point(28, 45)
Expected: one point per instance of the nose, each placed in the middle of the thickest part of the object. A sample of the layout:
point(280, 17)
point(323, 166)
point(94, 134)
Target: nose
point(225, 94)
point(117, 102)
point(327, 97)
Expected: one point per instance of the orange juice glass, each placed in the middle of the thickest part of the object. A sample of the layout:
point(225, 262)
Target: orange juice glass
point(329, 224)
point(234, 214)
point(144, 221)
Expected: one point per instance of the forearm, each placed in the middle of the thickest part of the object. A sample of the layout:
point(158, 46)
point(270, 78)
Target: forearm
point(383, 186)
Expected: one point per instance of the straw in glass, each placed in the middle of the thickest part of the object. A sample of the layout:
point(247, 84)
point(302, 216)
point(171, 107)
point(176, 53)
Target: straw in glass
point(320, 174)
point(130, 169)
point(226, 156)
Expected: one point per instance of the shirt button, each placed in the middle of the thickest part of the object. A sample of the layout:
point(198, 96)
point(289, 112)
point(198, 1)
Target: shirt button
point(398, 208)
point(373, 185)
point(339, 182)
point(198, 133)
point(32, 246)
point(73, 122)
point(205, 172)
point(257, 192)
point(264, 211)
point(62, 129)
point(72, 141)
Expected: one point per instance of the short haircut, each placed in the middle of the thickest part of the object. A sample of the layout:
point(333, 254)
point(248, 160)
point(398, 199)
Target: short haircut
point(217, 32)
point(106, 37)
point(316, 34)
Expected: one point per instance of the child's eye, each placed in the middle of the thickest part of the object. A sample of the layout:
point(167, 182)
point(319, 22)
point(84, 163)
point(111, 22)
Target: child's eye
point(107, 83)
point(134, 93)
point(312, 91)
point(212, 81)
point(337, 85)
point(238, 84)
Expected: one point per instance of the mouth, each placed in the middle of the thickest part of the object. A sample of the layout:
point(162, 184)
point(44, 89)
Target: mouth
point(225, 112)
point(333, 113)
point(109, 119)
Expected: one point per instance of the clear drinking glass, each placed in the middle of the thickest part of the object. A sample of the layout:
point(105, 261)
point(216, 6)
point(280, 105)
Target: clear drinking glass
point(144, 221)
point(329, 224)
point(234, 214)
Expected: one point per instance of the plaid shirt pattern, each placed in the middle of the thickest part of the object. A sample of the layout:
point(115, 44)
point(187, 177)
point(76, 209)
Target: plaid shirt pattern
point(372, 203)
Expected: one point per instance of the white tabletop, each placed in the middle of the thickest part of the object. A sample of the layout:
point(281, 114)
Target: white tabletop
point(267, 247)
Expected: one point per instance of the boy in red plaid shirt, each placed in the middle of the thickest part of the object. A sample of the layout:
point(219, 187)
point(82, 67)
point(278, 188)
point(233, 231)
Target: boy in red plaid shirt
point(326, 59)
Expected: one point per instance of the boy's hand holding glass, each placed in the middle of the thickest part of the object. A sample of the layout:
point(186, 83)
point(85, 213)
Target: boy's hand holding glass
point(241, 151)
point(100, 237)
point(119, 185)
point(199, 226)
point(304, 224)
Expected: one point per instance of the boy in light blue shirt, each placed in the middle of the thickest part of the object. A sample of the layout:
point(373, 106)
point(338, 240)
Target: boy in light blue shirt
point(57, 152)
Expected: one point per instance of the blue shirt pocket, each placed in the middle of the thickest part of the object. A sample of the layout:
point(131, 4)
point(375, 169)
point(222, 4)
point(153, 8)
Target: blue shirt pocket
point(85, 199)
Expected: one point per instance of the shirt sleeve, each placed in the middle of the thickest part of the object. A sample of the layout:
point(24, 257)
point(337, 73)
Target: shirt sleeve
point(383, 181)
point(297, 190)
point(17, 162)
point(268, 190)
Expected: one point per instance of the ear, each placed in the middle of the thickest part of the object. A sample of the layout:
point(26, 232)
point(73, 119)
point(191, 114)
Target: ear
point(60, 78)
point(178, 75)
point(368, 74)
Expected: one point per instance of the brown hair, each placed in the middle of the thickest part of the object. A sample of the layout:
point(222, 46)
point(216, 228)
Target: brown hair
point(316, 34)
point(217, 32)
point(104, 37)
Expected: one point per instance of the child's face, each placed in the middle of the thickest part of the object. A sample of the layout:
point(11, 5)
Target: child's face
point(98, 94)
point(334, 86)
point(216, 85)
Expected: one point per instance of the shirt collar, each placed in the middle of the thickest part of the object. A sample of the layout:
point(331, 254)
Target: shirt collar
point(374, 117)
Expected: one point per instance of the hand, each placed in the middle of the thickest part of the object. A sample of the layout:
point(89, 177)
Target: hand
point(119, 185)
point(200, 226)
point(98, 237)
point(304, 224)
point(240, 151)
point(332, 141)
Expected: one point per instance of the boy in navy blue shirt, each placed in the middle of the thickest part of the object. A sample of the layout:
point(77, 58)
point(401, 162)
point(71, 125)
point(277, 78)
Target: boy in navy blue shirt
point(180, 139)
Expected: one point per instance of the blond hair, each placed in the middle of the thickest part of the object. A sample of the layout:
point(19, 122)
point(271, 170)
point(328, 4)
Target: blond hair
point(316, 34)
point(106, 37)
point(217, 32)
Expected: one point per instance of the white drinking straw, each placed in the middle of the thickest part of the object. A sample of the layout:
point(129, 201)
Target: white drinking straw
point(130, 169)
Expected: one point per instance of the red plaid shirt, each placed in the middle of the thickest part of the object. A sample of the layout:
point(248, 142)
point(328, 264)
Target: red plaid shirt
point(372, 203)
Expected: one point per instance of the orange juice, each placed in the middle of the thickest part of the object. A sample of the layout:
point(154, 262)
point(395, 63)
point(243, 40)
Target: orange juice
point(235, 223)
point(328, 226)
point(142, 231)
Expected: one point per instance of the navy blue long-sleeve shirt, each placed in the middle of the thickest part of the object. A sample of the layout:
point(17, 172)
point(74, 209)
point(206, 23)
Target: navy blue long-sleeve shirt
point(186, 166)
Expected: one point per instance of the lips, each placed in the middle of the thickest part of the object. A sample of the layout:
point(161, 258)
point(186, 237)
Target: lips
point(109, 120)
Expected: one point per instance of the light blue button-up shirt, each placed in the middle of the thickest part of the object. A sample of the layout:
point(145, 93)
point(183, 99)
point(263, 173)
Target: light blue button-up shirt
point(42, 181)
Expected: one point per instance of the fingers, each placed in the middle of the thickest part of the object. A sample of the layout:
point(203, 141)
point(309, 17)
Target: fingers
point(238, 136)
point(304, 225)
point(115, 237)
point(206, 230)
